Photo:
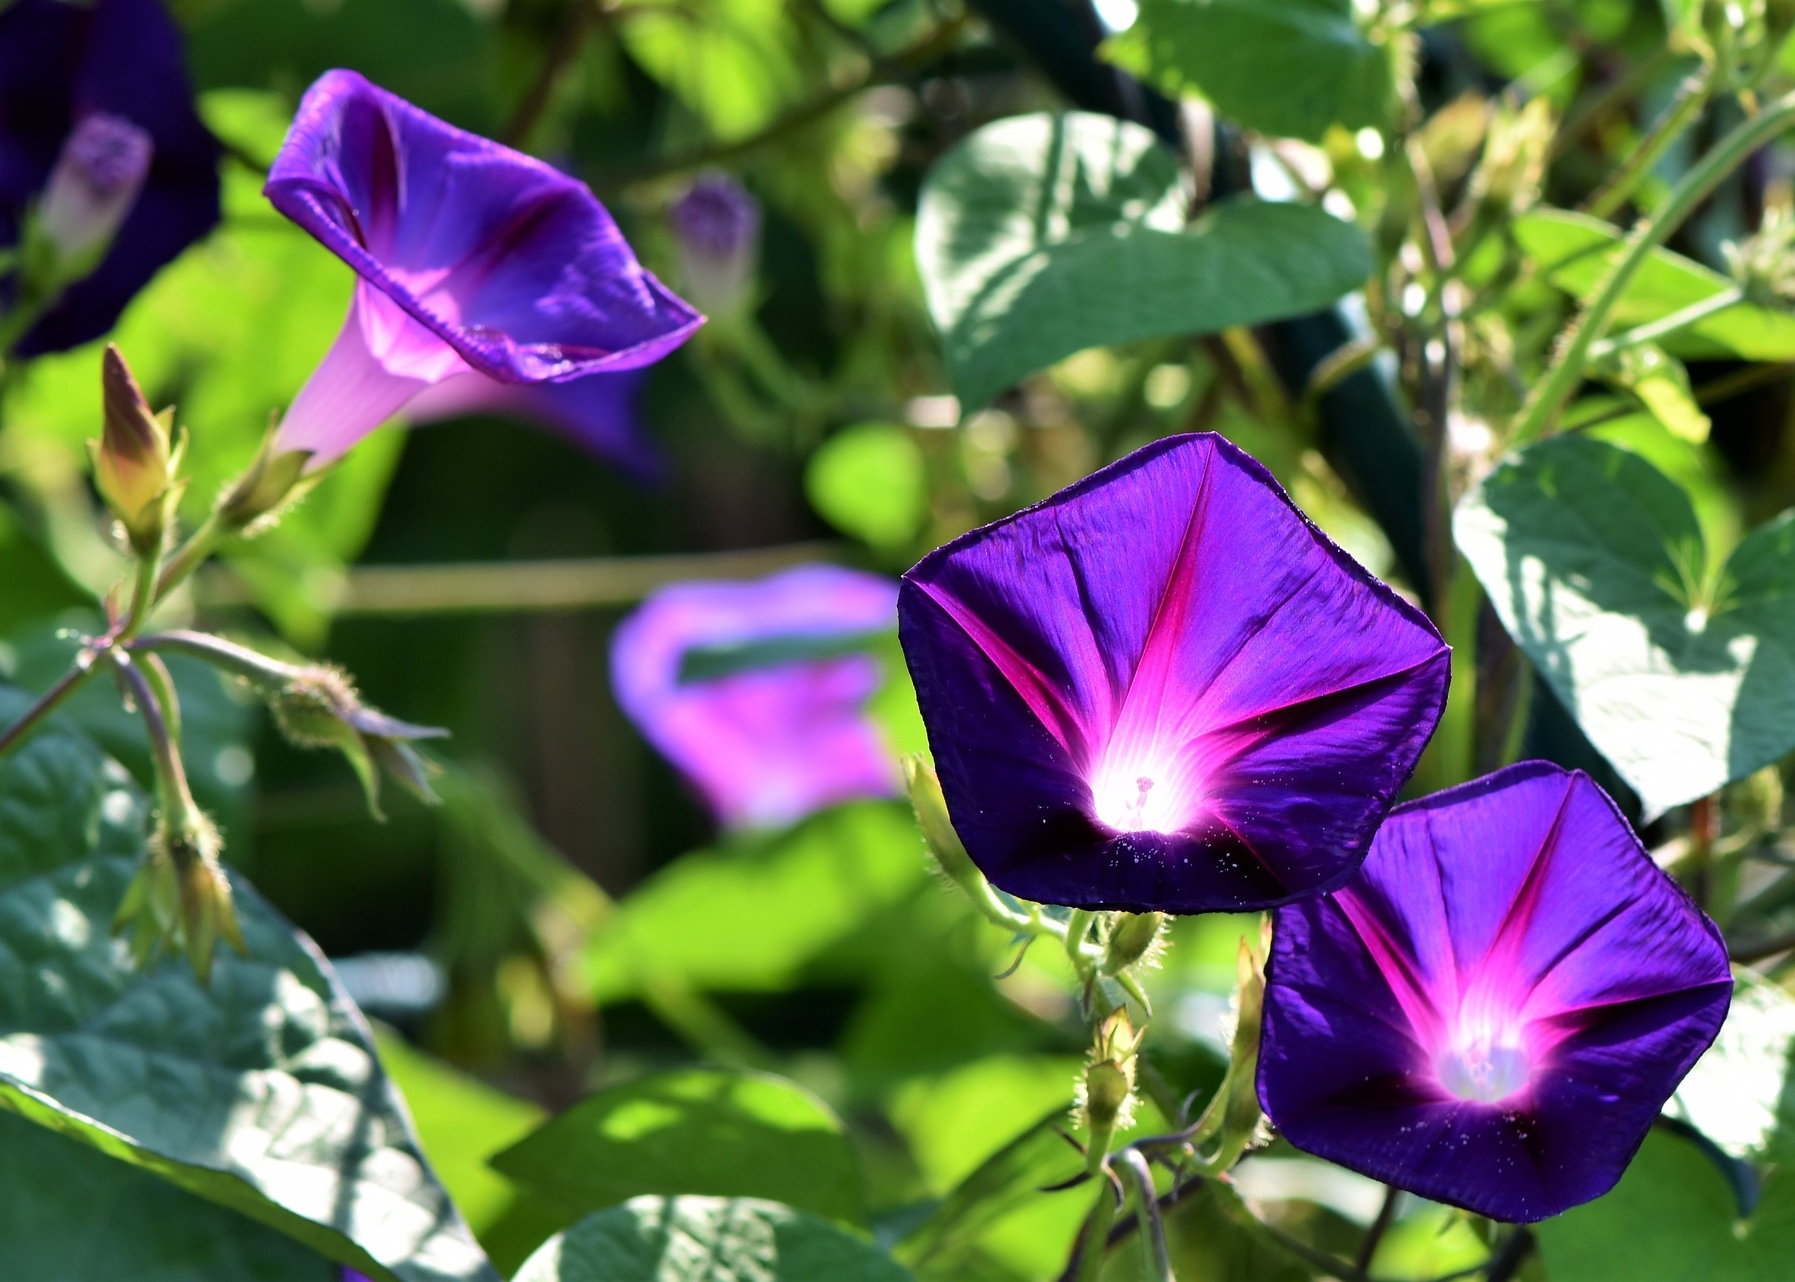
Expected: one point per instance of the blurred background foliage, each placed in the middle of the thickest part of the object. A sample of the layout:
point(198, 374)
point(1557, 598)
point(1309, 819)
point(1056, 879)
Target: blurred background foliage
point(569, 917)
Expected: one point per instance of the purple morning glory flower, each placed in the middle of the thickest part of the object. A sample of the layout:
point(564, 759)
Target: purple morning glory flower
point(717, 227)
point(1164, 689)
point(768, 743)
point(1492, 1013)
point(597, 413)
point(87, 83)
point(476, 262)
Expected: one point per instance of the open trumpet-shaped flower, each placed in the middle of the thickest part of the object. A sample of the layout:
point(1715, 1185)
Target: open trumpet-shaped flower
point(1492, 1013)
point(97, 123)
point(1164, 689)
point(477, 265)
point(779, 728)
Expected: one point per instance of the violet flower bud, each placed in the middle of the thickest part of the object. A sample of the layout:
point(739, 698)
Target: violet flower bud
point(97, 179)
point(717, 226)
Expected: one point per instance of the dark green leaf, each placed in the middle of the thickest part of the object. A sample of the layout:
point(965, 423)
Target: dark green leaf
point(707, 1239)
point(1576, 251)
point(1683, 677)
point(1284, 67)
point(1042, 235)
point(69, 1214)
point(261, 1093)
point(695, 1130)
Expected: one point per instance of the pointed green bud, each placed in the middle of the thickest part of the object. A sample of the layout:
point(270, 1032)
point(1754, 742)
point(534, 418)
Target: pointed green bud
point(1134, 940)
point(136, 459)
point(319, 707)
point(181, 897)
point(1105, 1101)
point(273, 482)
point(937, 829)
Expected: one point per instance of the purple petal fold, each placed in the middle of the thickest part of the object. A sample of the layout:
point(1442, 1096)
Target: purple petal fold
point(62, 63)
point(597, 413)
point(1494, 1011)
point(1164, 688)
point(506, 259)
point(768, 744)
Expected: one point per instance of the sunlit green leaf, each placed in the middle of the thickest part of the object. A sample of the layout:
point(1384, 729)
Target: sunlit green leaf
point(869, 481)
point(1576, 251)
point(261, 1092)
point(748, 917)
point(695, 1130)
point(1673, 1218)
point(708, 1239)
point(1739, 1094)
point(1042, 235)
point(1284, 67)
point(1683, 678)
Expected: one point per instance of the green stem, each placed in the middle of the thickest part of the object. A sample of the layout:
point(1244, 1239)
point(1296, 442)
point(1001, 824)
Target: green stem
point(1156, 1263)
point(1567, 370)
point(143, 596)
point(172, 792)
point(1692, 96)
point(85, 665)
point(1666, 325)
point(191, 555)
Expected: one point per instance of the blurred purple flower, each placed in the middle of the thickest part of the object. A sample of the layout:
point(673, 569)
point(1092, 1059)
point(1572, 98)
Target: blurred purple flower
point(62, 68)
point(717, 227)
point(1492, 1013)
point(1164, 689)
point(477, 264)
point(766, 744)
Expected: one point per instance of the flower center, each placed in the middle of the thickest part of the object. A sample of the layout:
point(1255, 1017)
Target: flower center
point(1486, 1061)
point(1142, 797)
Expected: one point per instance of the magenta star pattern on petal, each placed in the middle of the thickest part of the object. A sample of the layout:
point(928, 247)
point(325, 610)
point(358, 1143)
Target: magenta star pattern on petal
point(785, 732)
point(1492, 1013)
point(1164, 689)
point(474, 262)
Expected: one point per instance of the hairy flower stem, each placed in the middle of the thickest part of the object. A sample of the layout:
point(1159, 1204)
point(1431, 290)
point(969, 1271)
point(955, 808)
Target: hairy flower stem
point(172, 792)
point(192, 554)
point(1692, 96)
point(1576, 342)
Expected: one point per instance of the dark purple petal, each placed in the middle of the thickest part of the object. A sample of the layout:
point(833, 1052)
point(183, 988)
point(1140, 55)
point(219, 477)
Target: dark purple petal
point(1163, 688)
point(62, 63)
point(769, 744)
point(1494, 1010)
point(508, 261)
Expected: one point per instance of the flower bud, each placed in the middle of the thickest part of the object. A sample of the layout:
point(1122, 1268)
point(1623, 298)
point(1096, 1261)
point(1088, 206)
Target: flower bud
point(1763, 264)
point(181, 896)
point(1134, 939)
point(273, 481)
point(135, 461)
point(1105, 1102)
point(938, 829)
point(97, 178)
point(1507, 178)
point(318, 707)
point(717, 227)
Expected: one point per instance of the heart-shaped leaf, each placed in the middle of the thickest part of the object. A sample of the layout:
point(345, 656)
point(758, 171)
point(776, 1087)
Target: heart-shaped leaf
point(708, 1239)
point(1041, 235)
point(261, 1093)
point(1683, 677)
point(69, 1214)
point(694, 1130)
point(1284, 67)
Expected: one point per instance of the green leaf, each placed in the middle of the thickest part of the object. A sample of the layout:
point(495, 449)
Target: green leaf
point(69, 1214)
point(694, 1130)
point(1681, 676)
point(869, 480)
point(261, 1093)
point(1673, 1218)
point(1576, 251)
point(36, 587)
point(749, 917)
point(1041, 235)
point(461, 1122)
point(708, 1239)
point(1739, 1092)
point(1284, 67)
